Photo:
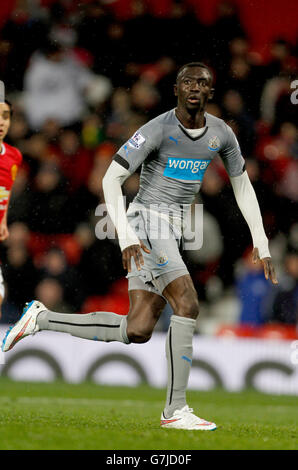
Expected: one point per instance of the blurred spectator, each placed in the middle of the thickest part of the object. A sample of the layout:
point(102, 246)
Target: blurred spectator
point(118, 115)
point(105, 254)
point(50, 131)
point(181, 22)
point(92, 131)
point(278, 158)
point(141, 32)
point(239, 78)
point(203, 262)
point(117, 48)
point(226, 27)
point(252, 289)
point(54, 265)
point(283, 304)
point(56, 86)
point(275, 104)
point(239, 47)
point(19, 205)
point(92, 27)
point(50, 292)
point(23, 33)
point(61, 29)
point(276, 152)
point(48, 201)
point(18, 131)
point(144, 98)
point(281, 58)
point(84, 200)
point(285, 111)
point(19, 235)
point(20, 276)
point(234, 110)
point(74, 161)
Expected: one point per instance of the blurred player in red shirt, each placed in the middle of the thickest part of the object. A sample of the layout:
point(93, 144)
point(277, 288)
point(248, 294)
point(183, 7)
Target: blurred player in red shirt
point(10, 160)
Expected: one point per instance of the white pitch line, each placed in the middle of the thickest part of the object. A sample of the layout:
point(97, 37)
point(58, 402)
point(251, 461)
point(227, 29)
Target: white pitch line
point(103, 402)
point(76, 401)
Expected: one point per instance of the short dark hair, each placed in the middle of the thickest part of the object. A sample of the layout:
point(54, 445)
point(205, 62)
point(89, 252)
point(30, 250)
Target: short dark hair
point(194, 64)
point(10, 106)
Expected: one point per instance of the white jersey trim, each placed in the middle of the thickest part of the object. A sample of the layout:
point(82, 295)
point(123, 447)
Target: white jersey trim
point(111, 183)
point(194, 133)
point(248, 204)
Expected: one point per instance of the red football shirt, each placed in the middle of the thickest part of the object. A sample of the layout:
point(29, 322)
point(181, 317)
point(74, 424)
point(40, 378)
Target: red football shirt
point(10, 161)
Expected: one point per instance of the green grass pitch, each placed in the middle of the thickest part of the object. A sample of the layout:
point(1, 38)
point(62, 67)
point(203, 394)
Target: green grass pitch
point(90, 417)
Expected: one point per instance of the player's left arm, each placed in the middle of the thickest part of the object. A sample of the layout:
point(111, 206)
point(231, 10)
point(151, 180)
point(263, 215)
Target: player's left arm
point(4, 232)
point(248, 204)
point(247, 201)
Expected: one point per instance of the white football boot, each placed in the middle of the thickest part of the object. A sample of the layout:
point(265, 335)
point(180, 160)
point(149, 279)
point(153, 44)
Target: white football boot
point(25, 326)
point(185, 419)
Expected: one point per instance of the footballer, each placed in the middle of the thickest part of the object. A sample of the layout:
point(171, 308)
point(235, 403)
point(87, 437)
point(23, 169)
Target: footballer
point(174, 150)
point(10, 161)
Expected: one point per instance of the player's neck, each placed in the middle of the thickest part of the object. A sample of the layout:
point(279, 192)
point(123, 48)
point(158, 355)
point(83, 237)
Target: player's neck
point(189, 120)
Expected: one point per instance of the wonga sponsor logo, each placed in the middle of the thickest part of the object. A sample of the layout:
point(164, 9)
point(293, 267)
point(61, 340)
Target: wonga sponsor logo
point(190, 169)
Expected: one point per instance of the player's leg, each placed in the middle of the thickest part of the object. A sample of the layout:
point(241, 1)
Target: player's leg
point(183, 299)
point(145, 308)
point(1, 302)
point(136, 327)
point(2, 291)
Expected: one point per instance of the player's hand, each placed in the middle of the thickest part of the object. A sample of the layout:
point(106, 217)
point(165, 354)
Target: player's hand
point(134, 251)
point(4, 233)
point(269, 270)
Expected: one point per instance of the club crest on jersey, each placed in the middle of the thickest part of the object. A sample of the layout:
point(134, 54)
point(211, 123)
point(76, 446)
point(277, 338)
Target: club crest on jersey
point(137, 140)
point(214, 143)
point(162, 259)
point(14, 170)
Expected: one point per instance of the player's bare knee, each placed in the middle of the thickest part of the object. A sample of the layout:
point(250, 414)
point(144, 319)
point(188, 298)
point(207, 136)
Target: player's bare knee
point(140, 336)
point(187, 306)
point(138, 333)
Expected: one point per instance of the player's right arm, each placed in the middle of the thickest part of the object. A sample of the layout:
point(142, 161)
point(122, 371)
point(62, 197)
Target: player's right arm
point(128, 158)
point(129, 243)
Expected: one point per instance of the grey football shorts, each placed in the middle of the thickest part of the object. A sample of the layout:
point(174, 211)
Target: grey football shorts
point(163, 238)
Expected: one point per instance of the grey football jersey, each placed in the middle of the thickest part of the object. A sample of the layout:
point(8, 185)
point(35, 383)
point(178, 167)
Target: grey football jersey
point(173, 162)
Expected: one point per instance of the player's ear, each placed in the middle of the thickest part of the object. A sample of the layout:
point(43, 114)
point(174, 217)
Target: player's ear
point(175, 90)
point(211, 94)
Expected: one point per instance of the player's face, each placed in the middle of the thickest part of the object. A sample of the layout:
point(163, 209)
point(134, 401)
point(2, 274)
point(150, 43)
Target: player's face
point(4, 120)
point(194, 88)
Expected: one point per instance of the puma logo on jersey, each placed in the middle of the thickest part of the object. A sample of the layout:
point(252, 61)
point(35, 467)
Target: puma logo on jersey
point(173, 139)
